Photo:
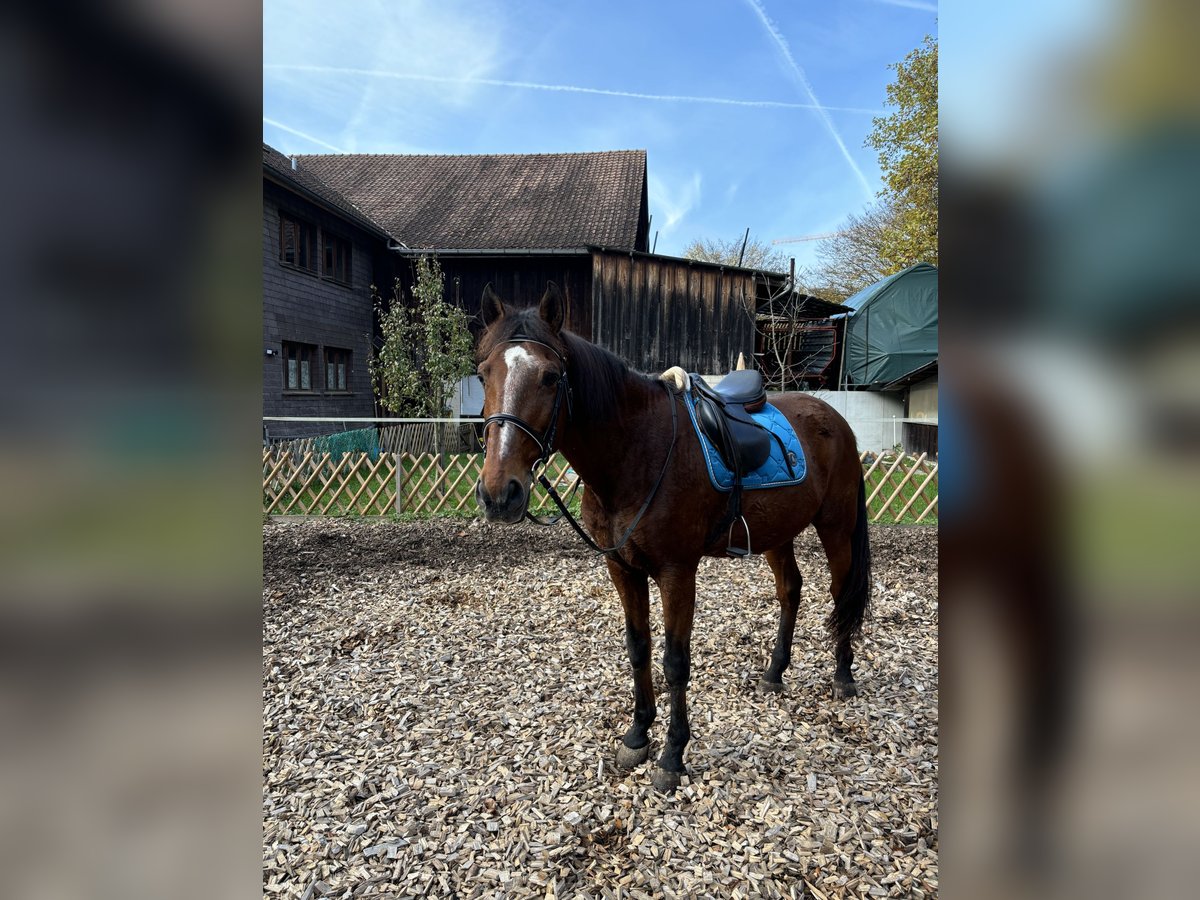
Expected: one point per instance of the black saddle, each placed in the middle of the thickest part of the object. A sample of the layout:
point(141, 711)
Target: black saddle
point(723, 412)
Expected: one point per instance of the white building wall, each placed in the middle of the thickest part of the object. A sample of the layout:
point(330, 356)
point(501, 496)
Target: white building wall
point(468, 397)
point(877, 418)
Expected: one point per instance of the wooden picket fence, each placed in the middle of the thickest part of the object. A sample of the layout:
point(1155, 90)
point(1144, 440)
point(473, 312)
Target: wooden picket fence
point(318, 484)
point(900, 488)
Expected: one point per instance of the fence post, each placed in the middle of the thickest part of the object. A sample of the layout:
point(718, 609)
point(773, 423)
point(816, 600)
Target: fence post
point(397, 458)
point(441, 481)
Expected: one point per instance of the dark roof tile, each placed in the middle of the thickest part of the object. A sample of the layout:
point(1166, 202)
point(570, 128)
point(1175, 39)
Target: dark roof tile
point(508, 201)
point(302, 177)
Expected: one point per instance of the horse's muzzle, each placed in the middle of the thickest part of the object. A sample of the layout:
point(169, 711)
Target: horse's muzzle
point(507, 506)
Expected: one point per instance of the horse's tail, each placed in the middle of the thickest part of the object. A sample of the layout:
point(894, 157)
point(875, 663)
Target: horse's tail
point(849, 612)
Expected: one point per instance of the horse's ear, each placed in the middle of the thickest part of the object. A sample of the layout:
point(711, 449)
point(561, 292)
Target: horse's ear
point(492, 308)
point(553, 307)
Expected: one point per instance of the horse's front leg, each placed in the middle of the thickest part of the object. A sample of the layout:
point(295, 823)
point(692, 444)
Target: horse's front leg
point(678, 588)
point(634, 588)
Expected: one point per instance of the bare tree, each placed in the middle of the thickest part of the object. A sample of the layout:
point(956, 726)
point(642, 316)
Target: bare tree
point(790, 356)
point(759, 255)
point(860, 253)
point(779, 329)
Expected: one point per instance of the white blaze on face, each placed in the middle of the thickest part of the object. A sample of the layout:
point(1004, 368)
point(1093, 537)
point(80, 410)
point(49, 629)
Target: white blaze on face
point(516, 383)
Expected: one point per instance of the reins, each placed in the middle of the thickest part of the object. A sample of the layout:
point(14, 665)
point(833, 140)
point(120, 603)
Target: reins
point(545, 444)
point(566, 513)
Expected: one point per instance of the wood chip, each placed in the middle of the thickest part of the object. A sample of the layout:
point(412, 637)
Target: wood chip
point(443, 702)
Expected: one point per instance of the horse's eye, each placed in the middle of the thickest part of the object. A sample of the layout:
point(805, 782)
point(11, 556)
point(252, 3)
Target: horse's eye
point(550, 379)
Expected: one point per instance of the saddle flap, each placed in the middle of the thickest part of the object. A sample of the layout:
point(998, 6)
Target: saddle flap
point(743, 445)
point(708, 414)
point(753, 444)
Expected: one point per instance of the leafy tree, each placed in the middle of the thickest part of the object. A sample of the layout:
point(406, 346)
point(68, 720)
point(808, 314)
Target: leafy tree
point(425, 346)
point(759, 255)
point(902, 227)
point(907, 141)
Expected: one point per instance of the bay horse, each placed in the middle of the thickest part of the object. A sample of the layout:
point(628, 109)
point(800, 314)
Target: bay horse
point(645, 478)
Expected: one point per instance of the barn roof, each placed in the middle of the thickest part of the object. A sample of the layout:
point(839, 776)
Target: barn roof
point(800, 306)
point(504, 201)
point(280, 166)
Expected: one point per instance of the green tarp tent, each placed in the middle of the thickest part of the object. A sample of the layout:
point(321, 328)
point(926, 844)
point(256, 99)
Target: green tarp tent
point(893, 329)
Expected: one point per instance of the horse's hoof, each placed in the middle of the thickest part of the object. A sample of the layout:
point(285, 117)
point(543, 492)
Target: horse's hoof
point(665, 781)
point(628, 758)
point(843, 690)
point(770, 687)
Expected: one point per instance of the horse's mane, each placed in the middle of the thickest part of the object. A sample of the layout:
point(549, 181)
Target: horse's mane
point(597, 377)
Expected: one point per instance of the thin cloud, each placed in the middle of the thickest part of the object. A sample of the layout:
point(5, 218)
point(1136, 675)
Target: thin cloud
point(673, 203)
point(301, 134)
point(569, 88)
point(802, 80)
point(911, 4)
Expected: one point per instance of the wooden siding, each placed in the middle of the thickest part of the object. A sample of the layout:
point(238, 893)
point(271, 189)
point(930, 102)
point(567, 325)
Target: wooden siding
point(518, 280)
point(920, 438)
point(299, 306)
point(657, 312)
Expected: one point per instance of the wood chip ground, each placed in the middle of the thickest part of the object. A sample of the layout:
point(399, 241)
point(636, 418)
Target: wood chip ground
point(443, 701)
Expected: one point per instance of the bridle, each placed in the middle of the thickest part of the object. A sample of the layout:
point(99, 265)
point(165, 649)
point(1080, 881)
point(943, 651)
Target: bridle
point(545, 445)
point(544, 441)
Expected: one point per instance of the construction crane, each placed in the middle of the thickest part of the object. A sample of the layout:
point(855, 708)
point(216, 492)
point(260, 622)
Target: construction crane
point(807, 237)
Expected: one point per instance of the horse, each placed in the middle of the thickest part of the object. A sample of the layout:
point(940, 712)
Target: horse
point(648, 499)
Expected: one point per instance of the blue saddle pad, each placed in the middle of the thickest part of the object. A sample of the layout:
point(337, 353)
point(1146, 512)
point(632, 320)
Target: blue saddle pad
point(772, 473)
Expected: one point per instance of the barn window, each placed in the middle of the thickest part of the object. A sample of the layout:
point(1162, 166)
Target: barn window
point(298, 363)
point(337, 364)
point(298, 243)
point(337, 257)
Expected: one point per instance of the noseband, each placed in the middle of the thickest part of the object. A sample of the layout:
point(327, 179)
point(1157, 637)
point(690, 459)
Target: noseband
point(544, 441)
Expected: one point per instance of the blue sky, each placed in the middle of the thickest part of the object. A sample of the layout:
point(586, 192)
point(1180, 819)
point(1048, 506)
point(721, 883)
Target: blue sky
point(786, 158)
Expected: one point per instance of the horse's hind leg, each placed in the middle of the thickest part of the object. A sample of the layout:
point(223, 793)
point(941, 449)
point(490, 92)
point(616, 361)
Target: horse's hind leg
point(838, 554)
point(634, 588)
point(788, 583)
point(843, 533)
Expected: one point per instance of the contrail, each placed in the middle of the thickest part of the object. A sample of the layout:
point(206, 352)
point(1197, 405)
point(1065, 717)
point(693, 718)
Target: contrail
point(301, 134)
point(802, 79)
point(569, 88)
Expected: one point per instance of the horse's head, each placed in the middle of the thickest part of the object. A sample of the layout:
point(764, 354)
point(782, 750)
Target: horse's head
point(522, 362)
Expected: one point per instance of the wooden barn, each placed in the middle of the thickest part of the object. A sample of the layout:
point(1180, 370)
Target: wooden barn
point(517, 221)
point(579, 219)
